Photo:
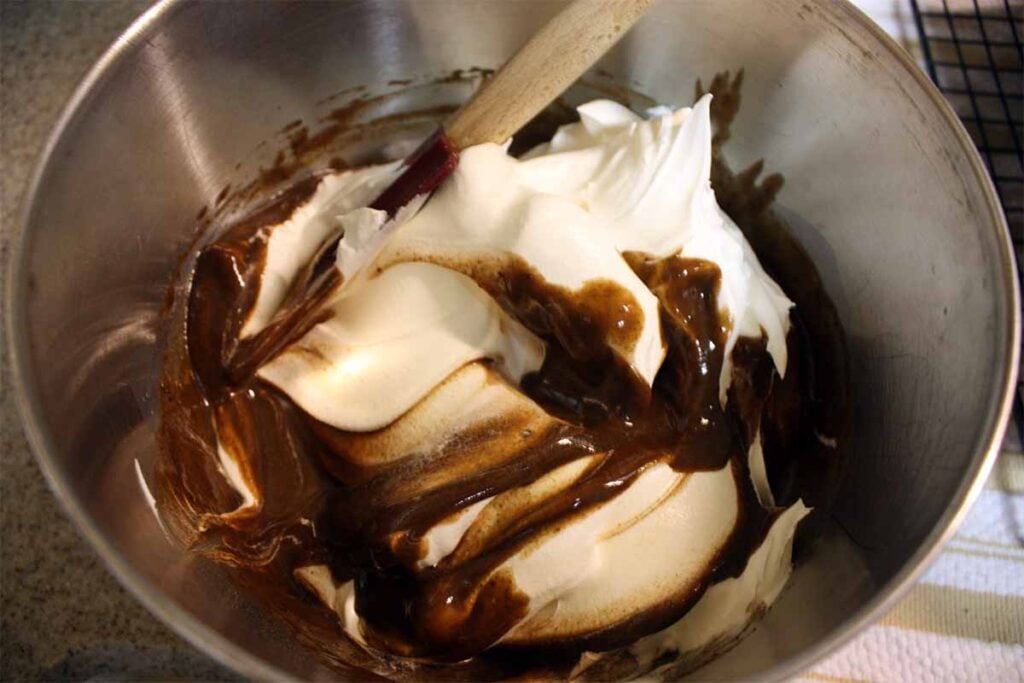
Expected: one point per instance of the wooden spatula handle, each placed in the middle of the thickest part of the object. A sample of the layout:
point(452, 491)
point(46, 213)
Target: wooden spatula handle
point(542, 69)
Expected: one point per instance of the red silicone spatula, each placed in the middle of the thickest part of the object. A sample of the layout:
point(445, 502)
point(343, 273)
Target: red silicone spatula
point(539, 72)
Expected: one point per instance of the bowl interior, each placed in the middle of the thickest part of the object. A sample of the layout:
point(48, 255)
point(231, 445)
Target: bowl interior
point(882, 188)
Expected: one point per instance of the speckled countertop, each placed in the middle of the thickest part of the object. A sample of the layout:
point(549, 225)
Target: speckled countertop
point(62, 616)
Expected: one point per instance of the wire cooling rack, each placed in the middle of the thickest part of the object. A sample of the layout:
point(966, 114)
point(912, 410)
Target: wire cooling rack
point(973, 53)
point(972, 50)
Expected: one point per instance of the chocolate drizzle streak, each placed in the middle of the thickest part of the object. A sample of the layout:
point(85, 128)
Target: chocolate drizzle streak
point(800, 463)
point(316, 495)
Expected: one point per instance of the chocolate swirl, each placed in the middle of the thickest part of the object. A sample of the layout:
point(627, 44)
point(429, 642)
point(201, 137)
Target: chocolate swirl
point(573, 437)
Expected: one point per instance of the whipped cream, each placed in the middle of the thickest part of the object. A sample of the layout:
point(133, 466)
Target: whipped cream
point(610, 184)
point(392, 340)
point(293, 243)
point(418, 353)
point(650, 181)
point(573, 585)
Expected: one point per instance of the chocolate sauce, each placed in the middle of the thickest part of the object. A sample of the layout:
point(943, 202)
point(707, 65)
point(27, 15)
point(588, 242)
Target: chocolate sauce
point(318, 500)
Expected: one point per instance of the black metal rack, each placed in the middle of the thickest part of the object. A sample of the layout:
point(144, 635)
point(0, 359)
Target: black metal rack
point(973, 52)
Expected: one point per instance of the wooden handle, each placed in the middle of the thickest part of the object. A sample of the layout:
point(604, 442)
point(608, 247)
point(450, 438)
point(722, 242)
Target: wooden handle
point(542, 69)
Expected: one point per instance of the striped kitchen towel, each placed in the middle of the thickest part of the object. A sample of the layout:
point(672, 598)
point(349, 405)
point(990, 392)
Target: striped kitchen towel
point(964, 620)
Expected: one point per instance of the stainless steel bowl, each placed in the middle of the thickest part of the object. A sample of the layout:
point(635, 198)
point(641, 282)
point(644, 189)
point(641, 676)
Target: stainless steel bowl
point(884, 189)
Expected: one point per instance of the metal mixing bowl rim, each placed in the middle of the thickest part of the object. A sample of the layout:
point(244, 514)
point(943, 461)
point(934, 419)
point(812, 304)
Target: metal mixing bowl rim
point(247, 663)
